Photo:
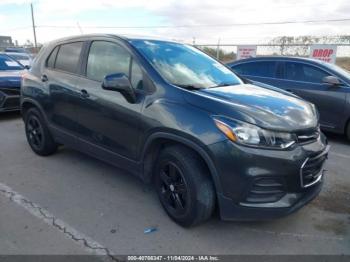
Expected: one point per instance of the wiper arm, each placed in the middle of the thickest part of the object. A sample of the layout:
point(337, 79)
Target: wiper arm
point(223, 84)
point(190, 87)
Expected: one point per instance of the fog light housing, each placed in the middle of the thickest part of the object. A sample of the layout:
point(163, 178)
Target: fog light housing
point(266, 190)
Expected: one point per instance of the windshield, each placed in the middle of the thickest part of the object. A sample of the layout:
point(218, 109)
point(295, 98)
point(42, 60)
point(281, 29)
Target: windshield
point(18, 56)
point(6, 63)
point(184, 65)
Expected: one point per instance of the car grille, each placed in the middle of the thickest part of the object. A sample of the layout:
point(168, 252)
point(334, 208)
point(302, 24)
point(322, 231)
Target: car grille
point(266, 190)
point(11, 102)
point(10, 92)
point(308, 136)
point(311, 170)
point(9, 98)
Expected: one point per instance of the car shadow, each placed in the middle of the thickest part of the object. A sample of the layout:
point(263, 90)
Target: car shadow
point(338, 138)
point(5, 116)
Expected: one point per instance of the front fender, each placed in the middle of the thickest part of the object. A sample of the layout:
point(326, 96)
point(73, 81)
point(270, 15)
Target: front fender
point(192, 143)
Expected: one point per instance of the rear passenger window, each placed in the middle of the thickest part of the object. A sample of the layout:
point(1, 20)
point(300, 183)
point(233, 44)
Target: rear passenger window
point(263, 69)
point(68, 57)
point(52, 58)
point(303, 72)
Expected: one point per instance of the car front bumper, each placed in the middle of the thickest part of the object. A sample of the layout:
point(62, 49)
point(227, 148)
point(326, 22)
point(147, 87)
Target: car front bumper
point(258, 184)
point(9, 99)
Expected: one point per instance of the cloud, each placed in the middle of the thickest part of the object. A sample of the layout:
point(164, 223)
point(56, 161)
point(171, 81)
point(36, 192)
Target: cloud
point(17, 2)
point(230, 12)
point(192, 12)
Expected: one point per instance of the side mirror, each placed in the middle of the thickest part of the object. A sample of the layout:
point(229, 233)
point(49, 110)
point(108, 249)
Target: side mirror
point(331, 80)
point(27, 67)
point(120, 83)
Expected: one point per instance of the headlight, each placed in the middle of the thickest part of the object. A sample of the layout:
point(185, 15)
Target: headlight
point(251, 135)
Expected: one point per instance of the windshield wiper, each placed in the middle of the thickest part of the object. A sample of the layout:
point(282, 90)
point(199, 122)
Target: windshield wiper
point(223, 84)
point(190, 87)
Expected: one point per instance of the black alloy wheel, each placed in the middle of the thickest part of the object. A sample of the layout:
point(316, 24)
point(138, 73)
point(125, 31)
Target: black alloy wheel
point(35, 132)
point(184, 185)
point(38, 134)
point(173, 189)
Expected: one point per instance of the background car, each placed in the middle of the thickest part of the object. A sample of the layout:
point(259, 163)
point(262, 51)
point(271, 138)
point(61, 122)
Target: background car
point(10, 83)
point(324, 84)
point(16, 50)
point(23, 58)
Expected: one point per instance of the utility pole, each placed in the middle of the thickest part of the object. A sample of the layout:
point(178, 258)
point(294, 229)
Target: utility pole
point(31, 8)
point(218, 50)
point(80, 29)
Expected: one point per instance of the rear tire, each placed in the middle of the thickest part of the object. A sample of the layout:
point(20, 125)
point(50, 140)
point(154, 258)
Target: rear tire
point(347, 132)
point(184, 186)
point(38, 134)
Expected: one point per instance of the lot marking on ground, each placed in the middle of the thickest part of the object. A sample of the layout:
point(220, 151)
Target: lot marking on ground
point(340, 155)
point(294, 235)
point(84, 241)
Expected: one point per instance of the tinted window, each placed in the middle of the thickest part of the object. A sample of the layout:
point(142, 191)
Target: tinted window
point(263, 68)
point(6, 63)
point(52, 58)
point(68, 57)
point(303, 72)
point(107, 58)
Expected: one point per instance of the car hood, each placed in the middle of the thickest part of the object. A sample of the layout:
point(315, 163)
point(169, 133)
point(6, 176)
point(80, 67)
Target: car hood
point(10, 78)
point(264, 107)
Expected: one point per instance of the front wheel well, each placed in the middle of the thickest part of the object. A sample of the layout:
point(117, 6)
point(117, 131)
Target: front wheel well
point(25, 107)
point(152, 152)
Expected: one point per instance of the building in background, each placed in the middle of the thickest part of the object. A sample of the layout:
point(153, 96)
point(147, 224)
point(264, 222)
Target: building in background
point(5, 41)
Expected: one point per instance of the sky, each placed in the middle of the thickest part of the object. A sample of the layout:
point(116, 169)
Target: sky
point(202, 21)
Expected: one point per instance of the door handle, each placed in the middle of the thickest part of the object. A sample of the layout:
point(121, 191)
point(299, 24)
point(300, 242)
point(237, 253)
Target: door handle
point(84, 93)
point(44, 78)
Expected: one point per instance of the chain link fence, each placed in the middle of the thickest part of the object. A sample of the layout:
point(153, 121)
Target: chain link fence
point(227, 52)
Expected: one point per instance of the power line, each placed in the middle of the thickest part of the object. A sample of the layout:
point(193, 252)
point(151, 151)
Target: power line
point(17, 28)
point(205, 25)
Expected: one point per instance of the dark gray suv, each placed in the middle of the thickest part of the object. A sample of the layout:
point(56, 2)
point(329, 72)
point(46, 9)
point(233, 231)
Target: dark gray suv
point(175, 117)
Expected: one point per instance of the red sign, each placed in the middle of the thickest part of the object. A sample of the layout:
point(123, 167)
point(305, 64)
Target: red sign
point(327, 53)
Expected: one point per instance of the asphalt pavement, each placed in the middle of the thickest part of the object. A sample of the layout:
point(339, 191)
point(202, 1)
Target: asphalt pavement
point(70, 203)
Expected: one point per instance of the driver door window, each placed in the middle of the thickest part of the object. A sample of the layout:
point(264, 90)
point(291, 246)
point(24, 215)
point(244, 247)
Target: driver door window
point(304, 73)
point(107, 58)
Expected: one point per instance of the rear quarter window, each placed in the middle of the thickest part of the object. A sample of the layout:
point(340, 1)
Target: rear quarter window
point(50, 62)
point(262, 69)
point(68, 57)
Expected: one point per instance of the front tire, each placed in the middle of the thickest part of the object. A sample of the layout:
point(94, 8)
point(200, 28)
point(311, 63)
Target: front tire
point(38, 134)
point(184, 186)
